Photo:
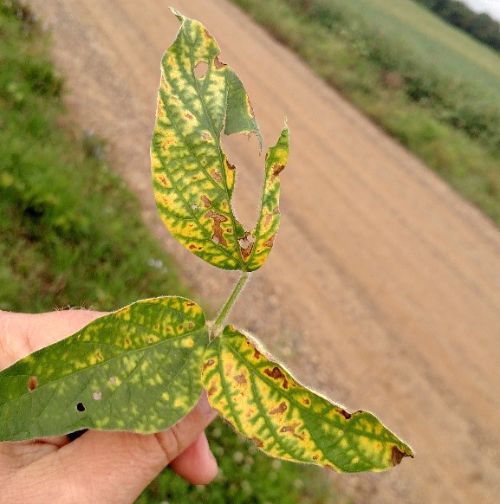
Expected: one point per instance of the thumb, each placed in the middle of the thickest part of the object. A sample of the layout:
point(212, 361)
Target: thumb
point(114, 467)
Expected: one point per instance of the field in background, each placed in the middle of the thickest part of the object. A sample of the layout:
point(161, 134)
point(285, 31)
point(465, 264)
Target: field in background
point(479, 25)
point(70, 234)
point(429, 85)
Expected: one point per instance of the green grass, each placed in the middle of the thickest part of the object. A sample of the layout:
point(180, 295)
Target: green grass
point(430, 86)
point(246, 477)
point(70, 231)
point(70, 235)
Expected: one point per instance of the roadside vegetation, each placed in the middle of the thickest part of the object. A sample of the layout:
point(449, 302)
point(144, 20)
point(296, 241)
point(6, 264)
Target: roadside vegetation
point(71, 235)
point(430, 86)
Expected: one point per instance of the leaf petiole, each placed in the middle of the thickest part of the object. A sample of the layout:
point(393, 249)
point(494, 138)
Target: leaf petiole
point(228, 305)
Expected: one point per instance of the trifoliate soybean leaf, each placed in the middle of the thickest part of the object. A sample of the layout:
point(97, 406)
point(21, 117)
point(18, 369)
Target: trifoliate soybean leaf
point(285, 419)
point(136, 369)
point(192, 176)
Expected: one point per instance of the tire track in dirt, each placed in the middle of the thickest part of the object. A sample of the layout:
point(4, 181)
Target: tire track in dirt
point(379, 266)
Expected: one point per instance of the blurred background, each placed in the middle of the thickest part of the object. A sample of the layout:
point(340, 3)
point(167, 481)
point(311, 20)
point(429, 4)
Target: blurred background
point(383, 289)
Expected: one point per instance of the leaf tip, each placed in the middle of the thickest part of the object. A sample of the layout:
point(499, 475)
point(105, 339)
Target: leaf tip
point(177, 14)
point(398, 455)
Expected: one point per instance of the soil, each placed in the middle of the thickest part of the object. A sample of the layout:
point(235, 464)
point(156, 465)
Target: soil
point(383, 288)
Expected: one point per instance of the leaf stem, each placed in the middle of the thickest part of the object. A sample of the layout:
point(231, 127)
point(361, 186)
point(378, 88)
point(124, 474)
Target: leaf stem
point(228, 305)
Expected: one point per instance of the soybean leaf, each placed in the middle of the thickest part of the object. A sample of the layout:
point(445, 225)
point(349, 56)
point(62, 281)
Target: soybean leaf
point(192, 177)
point(286, 420)
point(262, 237)
point(136, 369)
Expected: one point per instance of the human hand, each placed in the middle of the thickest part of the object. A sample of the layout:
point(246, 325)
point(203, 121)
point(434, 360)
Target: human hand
point(98, 467)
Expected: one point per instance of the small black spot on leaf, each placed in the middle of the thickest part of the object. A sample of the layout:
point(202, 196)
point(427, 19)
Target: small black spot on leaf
point(80, 407)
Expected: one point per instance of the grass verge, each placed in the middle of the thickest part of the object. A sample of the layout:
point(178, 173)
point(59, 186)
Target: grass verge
point(71, 235)
point(431, 87)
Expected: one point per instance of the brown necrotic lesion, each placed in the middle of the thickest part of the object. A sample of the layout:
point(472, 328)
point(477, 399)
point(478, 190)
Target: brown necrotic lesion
point(32, 383)
point(276, 374)
point(217, 231)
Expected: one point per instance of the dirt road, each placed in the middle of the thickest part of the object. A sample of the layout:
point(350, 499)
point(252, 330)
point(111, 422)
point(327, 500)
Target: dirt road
point(383, 287)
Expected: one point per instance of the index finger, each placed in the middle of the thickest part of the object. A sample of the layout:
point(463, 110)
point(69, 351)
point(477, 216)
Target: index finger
point(23, 333)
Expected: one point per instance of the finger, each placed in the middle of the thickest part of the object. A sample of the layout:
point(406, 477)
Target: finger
point(114, 467)
point(15, 455)
point(22, 334)
point(47, 328)
point(196, 464)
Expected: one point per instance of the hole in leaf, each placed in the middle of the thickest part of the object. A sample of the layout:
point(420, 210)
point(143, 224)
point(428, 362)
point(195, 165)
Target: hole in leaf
point(32, 383)
point(201, 69)
point(80, 407)
point(246, 244)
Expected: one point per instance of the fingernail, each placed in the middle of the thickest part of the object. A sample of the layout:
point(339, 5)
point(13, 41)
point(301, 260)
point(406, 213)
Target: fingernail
point(204, 406)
